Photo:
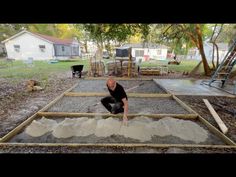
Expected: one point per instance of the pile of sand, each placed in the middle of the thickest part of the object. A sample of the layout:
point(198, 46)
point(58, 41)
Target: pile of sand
point(41, 127)
point(140, 128)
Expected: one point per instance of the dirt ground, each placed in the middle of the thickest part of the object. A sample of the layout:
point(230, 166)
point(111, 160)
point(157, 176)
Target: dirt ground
point(16, 105)
point(196, 103)
point(88, 149)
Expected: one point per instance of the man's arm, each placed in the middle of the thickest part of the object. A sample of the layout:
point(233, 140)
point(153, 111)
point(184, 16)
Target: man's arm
point(125, 119)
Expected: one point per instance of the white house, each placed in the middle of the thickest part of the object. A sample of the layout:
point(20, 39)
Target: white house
point(208, 49)
point(147, 51)
point(25, 44)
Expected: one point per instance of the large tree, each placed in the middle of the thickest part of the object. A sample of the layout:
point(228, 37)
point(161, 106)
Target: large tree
point(104, 33)
point(7, 30)
point(190, 33)
point(215, 34)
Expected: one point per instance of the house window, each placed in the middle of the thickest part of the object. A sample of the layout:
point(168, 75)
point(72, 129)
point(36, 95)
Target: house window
point(158, 51)
point(17, 48)
point(42, 48)
point(139, 53)
point(62, 48)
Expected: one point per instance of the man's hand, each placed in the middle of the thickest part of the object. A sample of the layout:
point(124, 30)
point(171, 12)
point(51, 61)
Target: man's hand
point(125, 120)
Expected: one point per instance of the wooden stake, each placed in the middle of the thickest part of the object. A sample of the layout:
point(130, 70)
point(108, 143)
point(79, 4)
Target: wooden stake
point(218, 120)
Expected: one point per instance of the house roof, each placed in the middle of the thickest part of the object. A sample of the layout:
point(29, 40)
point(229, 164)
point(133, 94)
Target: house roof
point(145, 45)
point(50, 39)
point(55, 40)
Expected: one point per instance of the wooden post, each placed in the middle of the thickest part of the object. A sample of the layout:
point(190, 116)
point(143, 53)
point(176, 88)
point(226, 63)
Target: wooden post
point(221, 124)
point(129, 63)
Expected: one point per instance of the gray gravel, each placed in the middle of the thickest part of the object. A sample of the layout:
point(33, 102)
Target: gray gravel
point(136, 105)
point(66, 149)
point(49, 138)
point(100, 86)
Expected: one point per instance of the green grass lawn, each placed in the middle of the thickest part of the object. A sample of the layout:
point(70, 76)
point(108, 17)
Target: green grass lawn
point(42, 69)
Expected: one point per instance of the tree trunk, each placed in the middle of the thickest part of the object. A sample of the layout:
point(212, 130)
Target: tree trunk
point(201, 50)
point(86, 46)
point(217, 54)
point(213, 56)
point(232, 74)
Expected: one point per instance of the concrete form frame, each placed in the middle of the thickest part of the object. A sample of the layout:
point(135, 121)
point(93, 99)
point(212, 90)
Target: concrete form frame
point(192, 115)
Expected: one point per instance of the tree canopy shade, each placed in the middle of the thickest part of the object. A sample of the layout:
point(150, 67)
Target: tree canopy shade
point(179, 37)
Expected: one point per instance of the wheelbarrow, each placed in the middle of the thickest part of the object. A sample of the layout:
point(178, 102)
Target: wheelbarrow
point(77, 70)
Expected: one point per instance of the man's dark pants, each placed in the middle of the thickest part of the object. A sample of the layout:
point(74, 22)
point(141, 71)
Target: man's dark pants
point(116, 108)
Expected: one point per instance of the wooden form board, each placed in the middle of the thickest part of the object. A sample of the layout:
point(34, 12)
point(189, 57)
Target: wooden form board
point(193, 115)
point(183, 105)
point(205, 122)
point(119, 145)
point(66, 114)
point(31, 118)
point(18, 128)
point(138, 95)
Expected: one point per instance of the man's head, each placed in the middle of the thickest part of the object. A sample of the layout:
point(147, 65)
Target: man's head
point(111, 83)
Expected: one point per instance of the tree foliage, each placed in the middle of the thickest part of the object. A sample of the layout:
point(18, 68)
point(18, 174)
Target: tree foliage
point(188, 34)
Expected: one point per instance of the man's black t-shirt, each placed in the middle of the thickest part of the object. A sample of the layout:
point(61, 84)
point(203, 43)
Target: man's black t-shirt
point(118, 93)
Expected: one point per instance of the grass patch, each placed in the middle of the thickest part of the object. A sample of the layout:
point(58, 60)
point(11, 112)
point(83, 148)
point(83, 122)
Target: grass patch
point(39, 69)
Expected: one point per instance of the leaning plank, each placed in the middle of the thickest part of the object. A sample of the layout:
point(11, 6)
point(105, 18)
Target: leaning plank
point(118, 145)
point(69, 114)
point(141, 95)
point(218, 120)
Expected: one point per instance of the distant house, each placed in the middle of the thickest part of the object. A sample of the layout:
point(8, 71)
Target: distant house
point(26, 44)
point(147, 51)
point(208, 49)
